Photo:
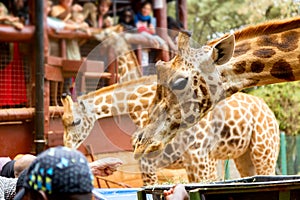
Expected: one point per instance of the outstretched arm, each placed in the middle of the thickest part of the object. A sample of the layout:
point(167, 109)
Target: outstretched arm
point(105, 166)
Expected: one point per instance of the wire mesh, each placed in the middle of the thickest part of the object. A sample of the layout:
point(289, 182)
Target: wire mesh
point(15, 74)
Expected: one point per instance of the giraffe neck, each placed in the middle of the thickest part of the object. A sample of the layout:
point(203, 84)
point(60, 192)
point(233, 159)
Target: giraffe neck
point(119, 99)
point(131, 98)
point(264, 54)
point(128, 66)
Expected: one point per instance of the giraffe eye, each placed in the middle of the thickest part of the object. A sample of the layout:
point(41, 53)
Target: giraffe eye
point(75, 123)
point(180, 83)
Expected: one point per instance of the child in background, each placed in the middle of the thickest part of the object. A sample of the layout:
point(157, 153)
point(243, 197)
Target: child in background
point(143, 20)
point(126, 19)
point(103, 9)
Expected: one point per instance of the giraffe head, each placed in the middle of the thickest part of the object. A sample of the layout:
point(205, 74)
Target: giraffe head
point(77, 120)
point(189, 85)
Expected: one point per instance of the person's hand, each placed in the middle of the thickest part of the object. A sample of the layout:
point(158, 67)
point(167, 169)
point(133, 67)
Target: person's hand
point(18, 25)
point(10, 18)
point(177, 192)
point(105, 166)
point(77, 8)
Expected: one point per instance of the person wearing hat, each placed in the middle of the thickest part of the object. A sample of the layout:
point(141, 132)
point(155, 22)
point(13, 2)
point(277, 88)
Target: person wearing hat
point(62, 173)
point(13, 168)
point(58, 173)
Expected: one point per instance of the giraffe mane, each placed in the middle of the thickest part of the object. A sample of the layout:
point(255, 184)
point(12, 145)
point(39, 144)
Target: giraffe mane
point(269, 27)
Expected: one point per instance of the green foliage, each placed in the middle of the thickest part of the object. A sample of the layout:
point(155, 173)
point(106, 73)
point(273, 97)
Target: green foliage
point(208, 19)
point(284, 101)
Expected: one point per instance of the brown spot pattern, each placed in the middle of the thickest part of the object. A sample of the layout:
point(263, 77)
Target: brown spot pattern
point(105, 109)
point(225, 133)
point(232, 90)
point(241, 49)
point(282, 70)
point(288, 41)
point(264, 53)
point(239, 67)
point(204, 90)
point(142, 90)
point(99, 101)
point(174, 126)
point(233, 142)
point(257, 67)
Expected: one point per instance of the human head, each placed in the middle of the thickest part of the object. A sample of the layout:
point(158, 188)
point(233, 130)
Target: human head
point(22, 163)
point(146, 8)
point(19, 4)
point(127, 17)
point(58, 173)
point(103, 7)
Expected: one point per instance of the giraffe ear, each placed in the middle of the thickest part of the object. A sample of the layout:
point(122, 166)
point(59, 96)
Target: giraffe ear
point(223, 50)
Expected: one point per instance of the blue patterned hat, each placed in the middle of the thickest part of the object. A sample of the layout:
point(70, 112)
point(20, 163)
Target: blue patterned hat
point(60, 170)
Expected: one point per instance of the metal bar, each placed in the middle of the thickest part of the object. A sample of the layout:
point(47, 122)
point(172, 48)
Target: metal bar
point(227, 169)
point(283, 153)
point(141, 195)
point(39, 81)
point(195, 195)
point(297, 161)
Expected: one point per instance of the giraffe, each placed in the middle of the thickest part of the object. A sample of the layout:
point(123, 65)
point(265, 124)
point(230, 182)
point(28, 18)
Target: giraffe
point(241, 127)
point(79, 118)
point(131, 98)
point(128, 66)
point(191, 83)
point(78, 111)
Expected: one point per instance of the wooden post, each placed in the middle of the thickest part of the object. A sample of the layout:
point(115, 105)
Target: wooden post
point(182, 12)
point(160, 13)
